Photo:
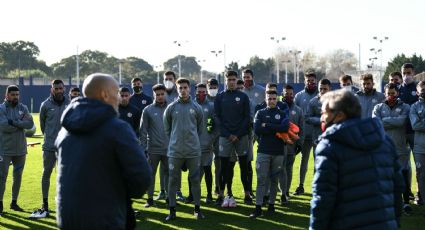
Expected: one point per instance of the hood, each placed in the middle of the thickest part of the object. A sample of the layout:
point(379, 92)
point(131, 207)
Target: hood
point(83, 115)
point(362, 134)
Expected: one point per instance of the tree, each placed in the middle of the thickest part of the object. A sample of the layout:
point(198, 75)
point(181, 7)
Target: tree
point(262, 68)
point(340, 62)
point(398, 61)
point(189, 66)
point(233, 66)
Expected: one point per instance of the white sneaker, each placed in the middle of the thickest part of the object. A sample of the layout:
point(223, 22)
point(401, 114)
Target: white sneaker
point(40, 213)
point(225, 203)
point(232, 202)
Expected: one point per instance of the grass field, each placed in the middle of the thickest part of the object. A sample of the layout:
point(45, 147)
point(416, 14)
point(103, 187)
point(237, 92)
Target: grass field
point(292, 216)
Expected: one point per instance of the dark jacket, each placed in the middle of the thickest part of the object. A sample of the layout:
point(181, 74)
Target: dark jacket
point(233, 112)
point(275, 120)
point(100, 166)
point(131, 115)
point(140, 101)
point(408, 95)
point(358, 182)
point(280, 104)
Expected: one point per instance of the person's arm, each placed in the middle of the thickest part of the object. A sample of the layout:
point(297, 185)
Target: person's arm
point(418, 124)
point(6, 124)
point(399, 121)
point(325, 188)
point(247, 117)
point(144, 127)
point(282, 126)
point(42, 117)
point(219, 115)
point(167, 119)
point(136, 171)
point(136, 121)
point(376, 111)
point(301, 126)
point(25, 121)
point(258, 125)
point(199, 118)
point(309, 113)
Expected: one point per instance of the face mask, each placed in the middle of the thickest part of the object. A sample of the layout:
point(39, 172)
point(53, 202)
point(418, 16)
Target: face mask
point(248, 83)
point(324, 125)
point(289, 99)
point(391, 100)
point(311, 86)
point(407, 79)
point(168, 84)
point(213, 92)
point(348, 87)
point(137, 89)
point(200, 97)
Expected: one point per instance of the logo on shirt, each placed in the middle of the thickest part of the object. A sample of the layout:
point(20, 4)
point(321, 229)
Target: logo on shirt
point(293, 112)
point(192, 111)
point(21, 112)
point(277, 116)
point(206, 110)
point(398, 110)
point(237, 99)
point(256, 94)
point(374, 100)
point(413, 93)
point(129, 114)
point(156, 114)
point(144, 102)
point(1, 158)
point(171, 166)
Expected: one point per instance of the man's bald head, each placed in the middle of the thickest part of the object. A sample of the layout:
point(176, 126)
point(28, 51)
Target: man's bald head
point(102, 87)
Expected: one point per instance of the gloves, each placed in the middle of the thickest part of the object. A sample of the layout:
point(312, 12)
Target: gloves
point(10, 122)
point(291, 135)
point(210, 125)
point(298, 149)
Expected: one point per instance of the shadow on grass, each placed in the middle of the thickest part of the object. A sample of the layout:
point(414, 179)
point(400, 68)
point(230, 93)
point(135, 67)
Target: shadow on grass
point(28, 223)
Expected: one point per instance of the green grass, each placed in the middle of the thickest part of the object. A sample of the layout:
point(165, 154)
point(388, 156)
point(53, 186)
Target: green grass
point(293, 216)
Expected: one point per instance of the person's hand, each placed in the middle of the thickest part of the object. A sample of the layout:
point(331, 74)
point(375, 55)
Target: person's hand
point(233, 138)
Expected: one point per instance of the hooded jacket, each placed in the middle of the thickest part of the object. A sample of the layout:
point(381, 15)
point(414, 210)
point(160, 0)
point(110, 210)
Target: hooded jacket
point(50, 116)
point(358, 182)
point(302, 100)
point(100, 166)
point(152, 133)
point(12, 136)
point(368, 101)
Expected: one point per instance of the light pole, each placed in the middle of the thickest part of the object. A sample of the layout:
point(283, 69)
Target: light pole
point(277, 39)
point(380, 40)
point(78, 69)
point(120, 70)
point(157, 73)
point(200, 76)
point(296, 74)
point(216, 53)
point(286, 70)
point(179, 44)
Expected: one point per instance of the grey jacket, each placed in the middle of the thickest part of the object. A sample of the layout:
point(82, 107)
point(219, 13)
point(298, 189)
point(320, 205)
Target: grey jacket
point(302, 100)
point(417, 119)
point(296, 116)
point(314, 111)
point(50, 121)
point(368, 102)
point(256, 94)
point(205, 137)
point(12, 136)
point(183, 125)
point(172, 95)
point(394, 121)
point(152, 133)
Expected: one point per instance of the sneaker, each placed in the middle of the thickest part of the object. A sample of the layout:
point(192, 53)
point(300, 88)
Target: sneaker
point(179, 196)
point(247, 200)
point(219, 201)
point(283, 200)
point(15, 207)
point(225, 203)
point(149, 203)
point(256, 213)
point(161, 196)
point(232, 202)
point(287, 195)
point(407, 209)
point(411, 196)
point(198, 215)
point(209, 199)
point(171, 216)
point(252, 195)
point(299, 190)
point(189, 199)
point(270, 210)
point(418, 201)
point(40, 213)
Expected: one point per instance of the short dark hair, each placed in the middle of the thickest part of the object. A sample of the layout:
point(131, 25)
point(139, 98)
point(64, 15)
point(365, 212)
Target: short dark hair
point(136, 79)
point(391, 86)
point(57, 82)
point(124, 90)
point(366, 77)
point(239, 82)
point(170, 73)
point(346, 78)
point(407, 66)
point(212, 81)
point(271, 84)
point(396, 73)
point(324, 81)
point(310, 73)
point(75, 89)
point(249, 72)
point(200, 85)
point(271, 92)
point(344, 101)
point(287, 87)
point(231, 73)
point(182, 81)
point(12, 88)
point(157, 87)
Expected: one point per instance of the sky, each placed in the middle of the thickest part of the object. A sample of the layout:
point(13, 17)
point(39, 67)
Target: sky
point(241, 28)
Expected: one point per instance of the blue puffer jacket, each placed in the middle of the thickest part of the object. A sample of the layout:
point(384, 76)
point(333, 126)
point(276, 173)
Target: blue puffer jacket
point(100, 166)
point(358, 182)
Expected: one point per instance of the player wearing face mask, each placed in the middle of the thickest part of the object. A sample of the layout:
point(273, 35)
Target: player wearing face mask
point(138, 98)
point(169, 83)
